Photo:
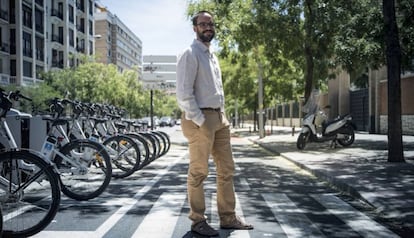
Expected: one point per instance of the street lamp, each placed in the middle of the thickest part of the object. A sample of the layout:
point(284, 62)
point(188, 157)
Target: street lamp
point(260, 100)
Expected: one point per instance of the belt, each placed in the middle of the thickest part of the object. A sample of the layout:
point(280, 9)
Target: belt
point(211, 109)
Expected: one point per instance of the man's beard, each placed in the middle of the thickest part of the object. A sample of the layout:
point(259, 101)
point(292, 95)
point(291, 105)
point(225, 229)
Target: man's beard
point(205, 38)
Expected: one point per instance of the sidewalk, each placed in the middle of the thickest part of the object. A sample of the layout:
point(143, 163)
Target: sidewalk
point(360, 170)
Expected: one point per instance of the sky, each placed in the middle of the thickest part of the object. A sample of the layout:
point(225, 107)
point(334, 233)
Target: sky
point(161, 25)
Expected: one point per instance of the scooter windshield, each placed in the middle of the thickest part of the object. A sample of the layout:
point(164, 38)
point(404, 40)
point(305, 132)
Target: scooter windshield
point(312, 105)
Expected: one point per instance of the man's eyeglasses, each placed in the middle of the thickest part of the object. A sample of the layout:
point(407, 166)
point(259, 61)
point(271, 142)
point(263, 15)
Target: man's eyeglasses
point(206, 24)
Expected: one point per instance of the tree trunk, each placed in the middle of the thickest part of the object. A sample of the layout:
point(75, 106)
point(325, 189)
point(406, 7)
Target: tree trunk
point(308, 50)
point(393, 56)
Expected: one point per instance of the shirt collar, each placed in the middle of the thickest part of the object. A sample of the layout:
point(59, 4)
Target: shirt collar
point(201, 46)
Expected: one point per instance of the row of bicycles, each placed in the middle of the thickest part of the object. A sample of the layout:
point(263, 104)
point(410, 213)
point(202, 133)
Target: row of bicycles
point(86, 145)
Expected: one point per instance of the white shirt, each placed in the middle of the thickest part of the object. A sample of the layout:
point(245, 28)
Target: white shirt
point(199, 83)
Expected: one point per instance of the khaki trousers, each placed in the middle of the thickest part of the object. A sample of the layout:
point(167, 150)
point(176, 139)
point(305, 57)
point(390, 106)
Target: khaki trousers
point(212, 138)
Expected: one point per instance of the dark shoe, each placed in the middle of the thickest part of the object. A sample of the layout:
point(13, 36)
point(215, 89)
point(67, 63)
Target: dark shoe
point(204, 229)
point(236, 224)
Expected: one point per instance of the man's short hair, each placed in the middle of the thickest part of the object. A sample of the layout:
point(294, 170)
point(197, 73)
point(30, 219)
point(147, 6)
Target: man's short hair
point(195, 17)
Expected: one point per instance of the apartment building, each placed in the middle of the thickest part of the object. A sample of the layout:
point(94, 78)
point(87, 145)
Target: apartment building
point(42, 35)
point(115, 42)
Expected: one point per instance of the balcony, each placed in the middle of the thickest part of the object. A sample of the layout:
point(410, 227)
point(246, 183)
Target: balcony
point(28, 81)
point(39, 28)
point(13, 80)
point(80, 28)
point(80, 49)
point(27, 52)
point(4, 79)
point(40, 55)
point(57, 64)
point(57, 38)
point(80, 5)
point(57, 13)
point(5, 47)
point(39, 2)
point(4, 15)
point(28, 2)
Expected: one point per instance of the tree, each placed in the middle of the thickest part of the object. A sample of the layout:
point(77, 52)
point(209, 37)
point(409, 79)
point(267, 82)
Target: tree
point(393, 55)
point(247, 33)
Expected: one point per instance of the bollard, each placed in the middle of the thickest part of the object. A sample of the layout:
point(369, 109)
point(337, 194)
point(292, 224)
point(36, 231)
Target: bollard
point(293, 131)
point(250, 129)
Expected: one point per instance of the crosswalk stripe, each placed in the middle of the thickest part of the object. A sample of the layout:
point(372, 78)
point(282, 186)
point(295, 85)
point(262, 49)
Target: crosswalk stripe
point(215, 221)
point(291, 218)
point(352, 217)
point(164, 214)
point(112, 220)
point(242, 183)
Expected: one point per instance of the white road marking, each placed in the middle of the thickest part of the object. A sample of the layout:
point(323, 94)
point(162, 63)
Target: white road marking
point(358, 221)
point(163, 215)
point(291, 218)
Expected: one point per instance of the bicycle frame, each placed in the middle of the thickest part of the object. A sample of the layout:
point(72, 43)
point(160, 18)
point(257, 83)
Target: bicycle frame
point(5, 133)
point(62, 138)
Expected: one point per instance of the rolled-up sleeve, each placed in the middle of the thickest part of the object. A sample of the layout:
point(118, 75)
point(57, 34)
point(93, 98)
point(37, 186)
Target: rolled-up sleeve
point(187, 66)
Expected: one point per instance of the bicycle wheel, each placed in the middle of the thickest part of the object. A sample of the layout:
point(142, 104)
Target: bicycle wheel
point(167, 137)
point(86, 170)
point(143, 147)
point(152, 145)
point(165, 141)
point(124, 154)
point(29, 193)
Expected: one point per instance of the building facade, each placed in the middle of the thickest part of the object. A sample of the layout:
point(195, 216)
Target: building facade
point(43, 35)
point(115, 42)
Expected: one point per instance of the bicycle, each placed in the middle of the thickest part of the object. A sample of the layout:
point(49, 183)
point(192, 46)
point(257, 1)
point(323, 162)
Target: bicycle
point(124, 152)
point(29, 184)
point(84, 166)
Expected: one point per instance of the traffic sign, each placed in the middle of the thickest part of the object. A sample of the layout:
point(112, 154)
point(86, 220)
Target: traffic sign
point(159, 71)
point(160, 59)
point(159, 67)
point(159, 76)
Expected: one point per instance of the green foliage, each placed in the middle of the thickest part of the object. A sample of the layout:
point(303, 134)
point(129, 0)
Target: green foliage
point(98, 83)
point(303, 42)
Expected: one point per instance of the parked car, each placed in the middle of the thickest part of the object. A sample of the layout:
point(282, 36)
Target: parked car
point(167, 121)
point(148, 120)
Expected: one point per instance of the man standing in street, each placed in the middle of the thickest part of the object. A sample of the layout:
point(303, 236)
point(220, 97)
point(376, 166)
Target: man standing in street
point(200, 96)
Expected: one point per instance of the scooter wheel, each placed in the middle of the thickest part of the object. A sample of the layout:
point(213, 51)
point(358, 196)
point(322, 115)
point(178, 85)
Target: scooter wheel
point(348, 134)
point(301, 142)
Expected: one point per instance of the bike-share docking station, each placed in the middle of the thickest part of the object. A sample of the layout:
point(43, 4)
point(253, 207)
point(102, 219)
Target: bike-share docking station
point(29, 131)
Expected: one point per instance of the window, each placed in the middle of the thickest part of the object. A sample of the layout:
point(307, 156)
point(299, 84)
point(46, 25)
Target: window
point(27, 44)
point(39, 49)
point(39, 20)
point(39, 71)
point(90, 47)
point(13, 68)
point(12, 11)
point(71, 38)
point(90, 7)
point(91, 28)
point(60, 10)
point(12, 41)
point(71, 16)
point(27, 17)
point(60, 35)
point(27, 69)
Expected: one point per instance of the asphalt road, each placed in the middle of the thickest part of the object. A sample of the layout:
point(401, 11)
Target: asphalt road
point(277, 197)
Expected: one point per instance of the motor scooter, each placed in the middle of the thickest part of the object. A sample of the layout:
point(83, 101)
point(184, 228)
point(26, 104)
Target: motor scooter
point(317, 128)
